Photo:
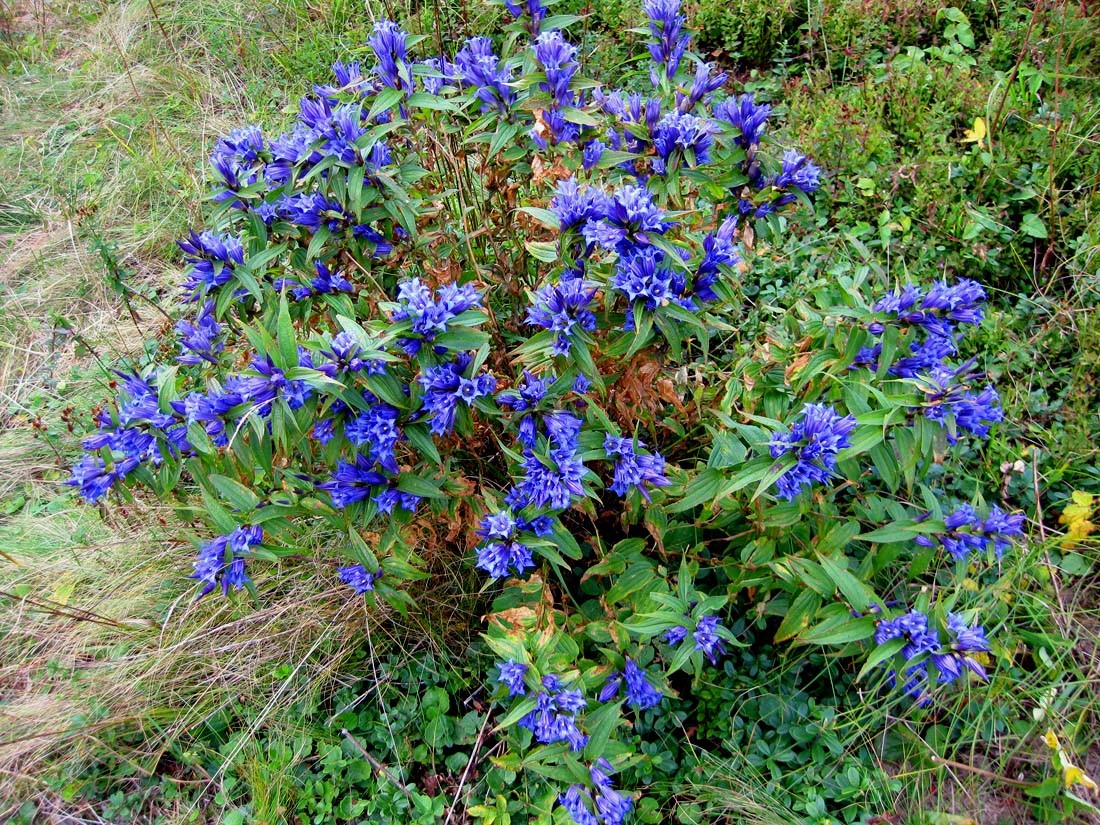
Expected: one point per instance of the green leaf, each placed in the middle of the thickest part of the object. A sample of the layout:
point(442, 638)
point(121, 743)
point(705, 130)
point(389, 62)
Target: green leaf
point(839, 630)
point(544, 251)
point(638, 576)
point(805, 605)
point(417, 486)
point(419, 436)
point(386, 100)
point(524, 707)
point(1033, 226)
point(546, 217)
point(648, 625)
point(423, 100)
point(858, 594)
point(235, 493)
point(599, 726)
point(902, 531)
point(879, 655)
point(702, 489)
point(461, 339)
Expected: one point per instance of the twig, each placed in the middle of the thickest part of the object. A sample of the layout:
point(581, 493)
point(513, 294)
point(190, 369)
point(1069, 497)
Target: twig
point(1043, 537)
point(1019, 783)
point(466, 770)
point(378, 766)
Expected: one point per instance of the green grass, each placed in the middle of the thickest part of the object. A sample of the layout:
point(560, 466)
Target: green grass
point(123, 700)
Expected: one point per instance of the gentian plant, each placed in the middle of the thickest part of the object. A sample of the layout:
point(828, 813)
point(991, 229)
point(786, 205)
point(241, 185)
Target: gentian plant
point(479, 286)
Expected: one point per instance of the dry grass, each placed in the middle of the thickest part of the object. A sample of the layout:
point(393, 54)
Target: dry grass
point(103, 647)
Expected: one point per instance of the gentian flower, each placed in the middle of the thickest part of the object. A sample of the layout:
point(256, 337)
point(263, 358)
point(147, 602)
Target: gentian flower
point(389, 43)
point(554, 718)
point(352, 482)
point(445, 386)
point(707, 638)
point(815, 439)
point(211, 259)
point(666, 24)
point(511, 676)
point(358, 578)
point(201, 340)
point(221, 560)
point(477, 66)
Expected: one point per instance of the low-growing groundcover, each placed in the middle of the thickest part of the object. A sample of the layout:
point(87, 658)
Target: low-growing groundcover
point(477, 314)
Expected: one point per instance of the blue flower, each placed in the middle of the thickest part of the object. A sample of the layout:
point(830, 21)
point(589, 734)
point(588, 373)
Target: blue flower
point(642, 275)
point(797, 171)
point(511, 676)
point(391, 497)
point(477, 66)
point(211, 259)
point(815, 439)
point(504, 551)
point(913, 627)
point(639, 692)
point(634, 469)
point(574, 802)
point(966, 532)
point(963, 641)
point(575, 206)
point(564, 308)
point(666, 25)
point(268, 383)
point(719, 250)
point(947, 392)
point(358, 578)
point(446, 385)
point(390, 44)
point(555, 479)
point(200, 341)
point(707, 638)
point(746, 115)
point(633, 211)
point(556, 56)
point(431, 313)
point(554, 718)
point(93, 477)
point(535, 9)
point(220, 562)
point(352, 482)
point(611, 805)
point(702, 86)
point(238, 161)
point(593, 151)
point(686, 134)
point(675, 635)
point(441, 73)
point(377, 430)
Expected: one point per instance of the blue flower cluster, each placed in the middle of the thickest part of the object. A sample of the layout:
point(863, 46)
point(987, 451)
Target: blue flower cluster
point(706, 637)
point(446, 385)
point(634, 469)
point(358, 578)
point(221, 560)
point(429, 315)
point(934, 316)
point(503, 550)
point(554, 718)
point(202, 340)
point(968, 533)
point(139, 434)
point(639, 692)
point(611, 807)
point(923, 644)
point(814, 440)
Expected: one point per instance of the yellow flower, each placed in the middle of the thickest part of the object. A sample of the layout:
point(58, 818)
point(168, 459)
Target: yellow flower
point(1076, 516)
